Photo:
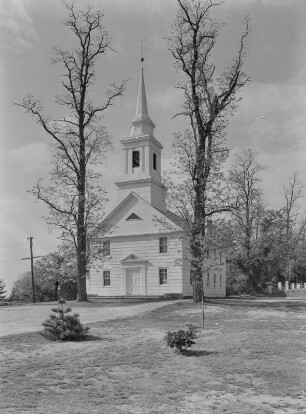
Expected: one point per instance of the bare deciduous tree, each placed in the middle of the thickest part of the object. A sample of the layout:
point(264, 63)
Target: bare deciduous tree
point(79, 140)
point(209, 99)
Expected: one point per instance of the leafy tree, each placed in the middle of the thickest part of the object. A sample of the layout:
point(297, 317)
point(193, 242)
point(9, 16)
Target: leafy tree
point(55, 271)
point(74, 197)
point(58, 267)
point(299, 265)
point(244, 183)
point(272, 246)
point(210, 97)
point(2, 290)
point(22, 289)
point(295, 230)
point(265, 246)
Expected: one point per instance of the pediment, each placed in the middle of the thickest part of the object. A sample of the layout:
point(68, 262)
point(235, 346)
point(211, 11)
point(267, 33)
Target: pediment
point(132, 258)
point(135, 216)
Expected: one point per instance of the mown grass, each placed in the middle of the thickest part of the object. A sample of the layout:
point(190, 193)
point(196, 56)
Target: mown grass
point(249, 359)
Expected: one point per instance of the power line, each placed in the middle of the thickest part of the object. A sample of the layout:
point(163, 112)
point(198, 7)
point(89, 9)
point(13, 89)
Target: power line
point(18, 260)
point(10, 260)
point(12, 246)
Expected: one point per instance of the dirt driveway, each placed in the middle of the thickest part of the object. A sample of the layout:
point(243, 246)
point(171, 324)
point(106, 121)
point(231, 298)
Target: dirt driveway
point(28, 318)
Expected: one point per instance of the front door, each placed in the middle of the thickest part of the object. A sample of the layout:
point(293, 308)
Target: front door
point(134, 281)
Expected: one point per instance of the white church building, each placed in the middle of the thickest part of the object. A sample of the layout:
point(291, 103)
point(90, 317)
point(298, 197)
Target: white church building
point(144, 244)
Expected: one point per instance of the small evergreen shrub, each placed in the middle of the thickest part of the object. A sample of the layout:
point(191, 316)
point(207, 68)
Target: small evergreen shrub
point(183, 338)
point(63, 327)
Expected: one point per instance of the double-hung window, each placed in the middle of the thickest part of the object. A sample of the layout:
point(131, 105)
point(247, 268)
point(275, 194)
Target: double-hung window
point(106, 278)
point(106, 248)
point(163, 245)
point(163, 276)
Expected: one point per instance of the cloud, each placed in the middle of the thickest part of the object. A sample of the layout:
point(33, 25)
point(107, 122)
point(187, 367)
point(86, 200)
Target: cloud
point(35, 155)
point(16, 26)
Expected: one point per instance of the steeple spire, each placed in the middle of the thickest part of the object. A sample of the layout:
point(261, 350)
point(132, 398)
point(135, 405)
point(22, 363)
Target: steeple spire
point(142, 123)
point(142, 106)
point(142, 155)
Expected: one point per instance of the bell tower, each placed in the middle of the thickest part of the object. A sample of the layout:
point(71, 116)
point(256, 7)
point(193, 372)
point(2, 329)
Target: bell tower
point(142, 155)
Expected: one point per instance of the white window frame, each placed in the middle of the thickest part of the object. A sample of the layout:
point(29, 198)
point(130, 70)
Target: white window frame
point(162, 245)
point(165, 275)
point(104, 278)
point(108, 251)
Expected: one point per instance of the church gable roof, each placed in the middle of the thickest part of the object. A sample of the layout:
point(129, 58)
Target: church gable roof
point(118, 222)
point(179, 221)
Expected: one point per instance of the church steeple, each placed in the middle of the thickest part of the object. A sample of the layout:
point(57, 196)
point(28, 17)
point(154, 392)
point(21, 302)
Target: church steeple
point(142, 123)
point(142, 155)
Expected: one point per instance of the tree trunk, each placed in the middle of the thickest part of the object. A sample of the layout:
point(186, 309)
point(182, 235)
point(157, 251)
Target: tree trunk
point(197, 249)
point(82, 264)
point(197, 292)
point(56, 285)
point(81, 228)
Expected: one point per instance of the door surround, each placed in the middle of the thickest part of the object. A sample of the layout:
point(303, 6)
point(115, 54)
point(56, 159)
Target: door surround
point(134, 262)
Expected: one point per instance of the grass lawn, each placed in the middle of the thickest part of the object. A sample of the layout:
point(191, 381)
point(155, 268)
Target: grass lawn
point(250, 359)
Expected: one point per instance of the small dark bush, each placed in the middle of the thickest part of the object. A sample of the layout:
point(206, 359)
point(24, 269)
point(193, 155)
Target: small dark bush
point(63, 327)
point(183, 338)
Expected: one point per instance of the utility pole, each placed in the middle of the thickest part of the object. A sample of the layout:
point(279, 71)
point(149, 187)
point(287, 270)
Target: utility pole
point(32, 266)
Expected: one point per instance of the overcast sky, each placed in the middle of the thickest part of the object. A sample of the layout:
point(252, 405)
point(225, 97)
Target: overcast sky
point(270, 118)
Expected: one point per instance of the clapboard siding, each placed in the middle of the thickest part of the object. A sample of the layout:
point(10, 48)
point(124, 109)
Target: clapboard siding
point(216, 269)
point(176, 261)
point(146, 248)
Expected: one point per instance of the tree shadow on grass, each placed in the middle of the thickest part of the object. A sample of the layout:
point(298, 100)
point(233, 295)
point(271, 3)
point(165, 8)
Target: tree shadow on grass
point(87, 338)
point(195, 353)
